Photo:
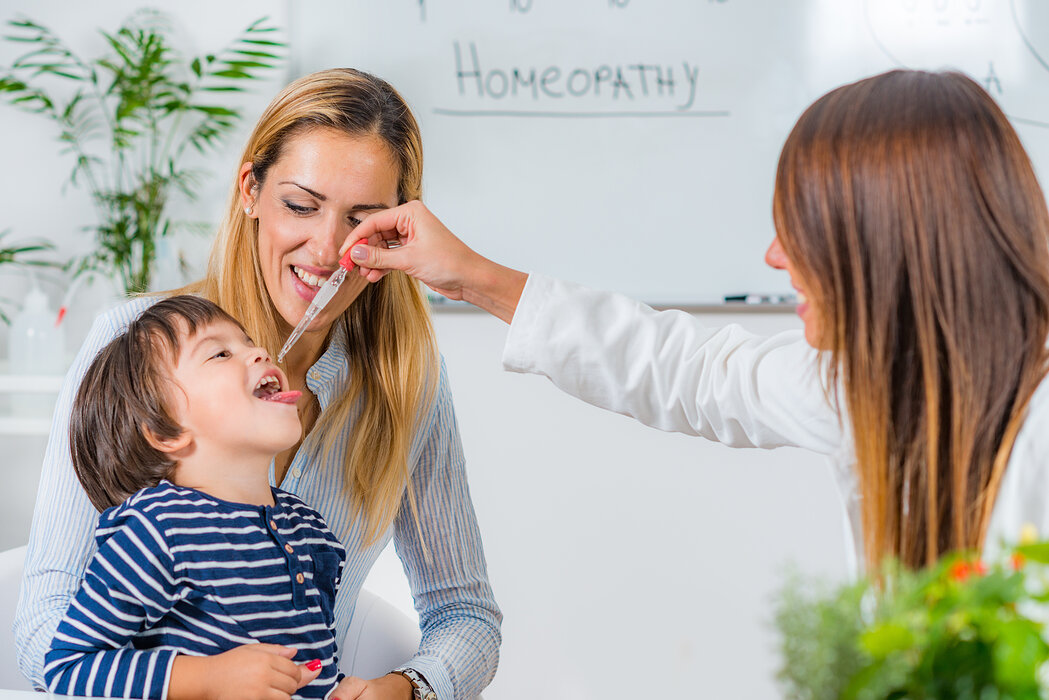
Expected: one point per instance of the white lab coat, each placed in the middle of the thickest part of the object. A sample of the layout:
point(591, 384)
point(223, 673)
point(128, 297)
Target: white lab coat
point(670, 372)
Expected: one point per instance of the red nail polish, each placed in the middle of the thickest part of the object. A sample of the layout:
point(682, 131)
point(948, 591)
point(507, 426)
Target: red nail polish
point(313, 665)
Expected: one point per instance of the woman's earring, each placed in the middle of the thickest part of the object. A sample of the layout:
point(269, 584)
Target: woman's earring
point(247, 209)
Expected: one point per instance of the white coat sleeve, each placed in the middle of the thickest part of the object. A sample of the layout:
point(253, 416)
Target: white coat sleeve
point(668, 371)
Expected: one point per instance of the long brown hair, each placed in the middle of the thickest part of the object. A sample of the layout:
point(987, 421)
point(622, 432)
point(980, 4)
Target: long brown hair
point(909, 208)
point(392, 350)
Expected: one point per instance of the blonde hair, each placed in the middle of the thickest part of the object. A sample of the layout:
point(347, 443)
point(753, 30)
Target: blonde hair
point(910, 209)
point(392, 357)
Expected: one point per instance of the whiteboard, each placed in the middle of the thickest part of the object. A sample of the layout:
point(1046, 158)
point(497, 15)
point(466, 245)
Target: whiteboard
point(632, 144)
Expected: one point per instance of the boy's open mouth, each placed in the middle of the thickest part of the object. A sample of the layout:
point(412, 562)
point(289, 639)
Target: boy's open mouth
point(268, 389)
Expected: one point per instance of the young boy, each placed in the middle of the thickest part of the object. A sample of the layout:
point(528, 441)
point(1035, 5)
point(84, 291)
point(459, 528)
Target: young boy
point(207, 580)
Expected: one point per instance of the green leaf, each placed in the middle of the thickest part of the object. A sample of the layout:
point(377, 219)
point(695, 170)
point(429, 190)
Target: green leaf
point(234, 74)
point(254, 26)
point(246, 64)
point(886, 638)
point(208, 109)
point(1038, 552)
point(258, 54)
point(64, 74)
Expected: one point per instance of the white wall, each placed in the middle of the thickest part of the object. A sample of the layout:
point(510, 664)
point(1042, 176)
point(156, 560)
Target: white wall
point(628, 562)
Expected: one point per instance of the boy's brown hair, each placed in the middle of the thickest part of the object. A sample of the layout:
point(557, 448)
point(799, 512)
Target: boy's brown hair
point(125, 392)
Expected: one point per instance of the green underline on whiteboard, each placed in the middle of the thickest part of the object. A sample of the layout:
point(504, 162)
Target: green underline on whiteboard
point(572, 115)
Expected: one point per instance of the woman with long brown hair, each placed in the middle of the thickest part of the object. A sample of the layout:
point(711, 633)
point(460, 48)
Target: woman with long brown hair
point(912, 225)
point(380, 457)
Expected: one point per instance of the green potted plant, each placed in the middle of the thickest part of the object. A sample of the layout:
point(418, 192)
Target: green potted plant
point(128, 118)
point(959, 629)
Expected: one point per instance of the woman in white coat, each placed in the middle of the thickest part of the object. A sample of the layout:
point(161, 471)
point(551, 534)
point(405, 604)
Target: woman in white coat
point(910, 221)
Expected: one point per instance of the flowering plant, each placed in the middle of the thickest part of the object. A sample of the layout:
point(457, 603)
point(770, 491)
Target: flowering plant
point(958, 629)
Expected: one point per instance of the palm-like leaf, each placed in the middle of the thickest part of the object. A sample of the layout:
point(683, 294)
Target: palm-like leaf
point(129, 120)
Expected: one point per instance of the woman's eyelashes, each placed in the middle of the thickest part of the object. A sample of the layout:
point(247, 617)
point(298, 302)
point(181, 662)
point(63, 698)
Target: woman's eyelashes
point(298, 208)
point(301, 210)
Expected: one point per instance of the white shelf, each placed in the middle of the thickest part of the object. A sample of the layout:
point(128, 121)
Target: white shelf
point(30, 383)
point(10, 422)
point(10, 425)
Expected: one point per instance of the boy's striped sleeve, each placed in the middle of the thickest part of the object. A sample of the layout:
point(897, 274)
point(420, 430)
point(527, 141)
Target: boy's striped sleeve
point(129, 584)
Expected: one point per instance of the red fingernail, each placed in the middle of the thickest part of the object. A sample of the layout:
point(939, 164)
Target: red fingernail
point(313, 665)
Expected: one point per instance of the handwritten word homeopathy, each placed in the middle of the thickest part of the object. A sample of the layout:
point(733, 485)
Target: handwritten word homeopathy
point(616, 83)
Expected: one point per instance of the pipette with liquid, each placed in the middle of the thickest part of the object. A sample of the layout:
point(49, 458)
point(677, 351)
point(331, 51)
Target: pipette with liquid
point(327, 291)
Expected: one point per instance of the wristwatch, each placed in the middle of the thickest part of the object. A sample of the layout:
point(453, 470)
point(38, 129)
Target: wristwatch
point(421, 690)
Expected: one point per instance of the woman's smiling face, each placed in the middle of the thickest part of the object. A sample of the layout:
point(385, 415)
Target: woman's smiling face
point(322, 186)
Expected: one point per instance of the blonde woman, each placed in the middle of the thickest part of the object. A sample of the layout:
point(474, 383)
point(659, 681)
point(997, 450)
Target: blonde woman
point(380, 457)
point(910, 221)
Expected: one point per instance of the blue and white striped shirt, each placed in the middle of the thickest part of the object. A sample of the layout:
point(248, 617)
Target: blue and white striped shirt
point(445, 563)
point(180, 571)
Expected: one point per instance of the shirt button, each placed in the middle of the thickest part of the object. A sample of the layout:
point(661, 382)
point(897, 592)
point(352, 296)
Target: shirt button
point(300, 578)
point(273, 524)
point(288, 549)
point(315, 375)
point(296, 472)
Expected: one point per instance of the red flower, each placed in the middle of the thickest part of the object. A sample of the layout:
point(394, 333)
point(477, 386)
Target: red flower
point(961, 570)
point(1018, 561)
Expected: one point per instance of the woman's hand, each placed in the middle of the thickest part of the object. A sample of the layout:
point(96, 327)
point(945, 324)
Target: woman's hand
point(392, 686)
point(421, 246)
point(249, 672)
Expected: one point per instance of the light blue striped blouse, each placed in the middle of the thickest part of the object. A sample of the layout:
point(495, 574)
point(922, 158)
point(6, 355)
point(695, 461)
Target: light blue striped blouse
point(180, 571)
point(445, 565)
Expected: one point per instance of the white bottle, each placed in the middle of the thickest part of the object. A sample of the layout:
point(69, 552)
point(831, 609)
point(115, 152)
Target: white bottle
point(36, 346)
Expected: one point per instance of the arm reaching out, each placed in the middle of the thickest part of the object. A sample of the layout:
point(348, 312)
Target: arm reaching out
point(431, 253)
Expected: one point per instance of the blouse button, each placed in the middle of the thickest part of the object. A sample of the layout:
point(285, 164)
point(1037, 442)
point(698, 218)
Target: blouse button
point(273, 524)
point(288, 549)
point(296, 472)
point(299, 578)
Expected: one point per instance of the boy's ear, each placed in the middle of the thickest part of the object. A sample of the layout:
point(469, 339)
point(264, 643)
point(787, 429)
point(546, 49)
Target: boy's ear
point(170, 445)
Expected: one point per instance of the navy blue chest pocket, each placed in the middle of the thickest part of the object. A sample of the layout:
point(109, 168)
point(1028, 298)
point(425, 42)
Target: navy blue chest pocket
point(326, 569)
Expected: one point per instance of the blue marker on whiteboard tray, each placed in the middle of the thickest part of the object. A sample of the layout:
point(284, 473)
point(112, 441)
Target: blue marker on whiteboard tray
point(761, 298)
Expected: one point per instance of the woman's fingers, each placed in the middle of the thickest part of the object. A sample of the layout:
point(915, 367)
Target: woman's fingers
point(388, 224)
point(411, 239)
point(372, 258)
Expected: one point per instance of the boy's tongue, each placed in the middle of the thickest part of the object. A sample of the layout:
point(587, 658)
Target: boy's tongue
point(283, 397)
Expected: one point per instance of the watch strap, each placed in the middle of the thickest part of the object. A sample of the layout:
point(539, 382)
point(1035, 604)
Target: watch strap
point(421, 690)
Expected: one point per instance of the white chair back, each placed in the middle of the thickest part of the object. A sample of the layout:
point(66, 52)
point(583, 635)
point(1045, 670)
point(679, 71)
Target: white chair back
point(380, 637)
point(11, 562)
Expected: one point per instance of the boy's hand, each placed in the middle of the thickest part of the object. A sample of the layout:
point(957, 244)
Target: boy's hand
point(392, 686)
point(249, 672)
